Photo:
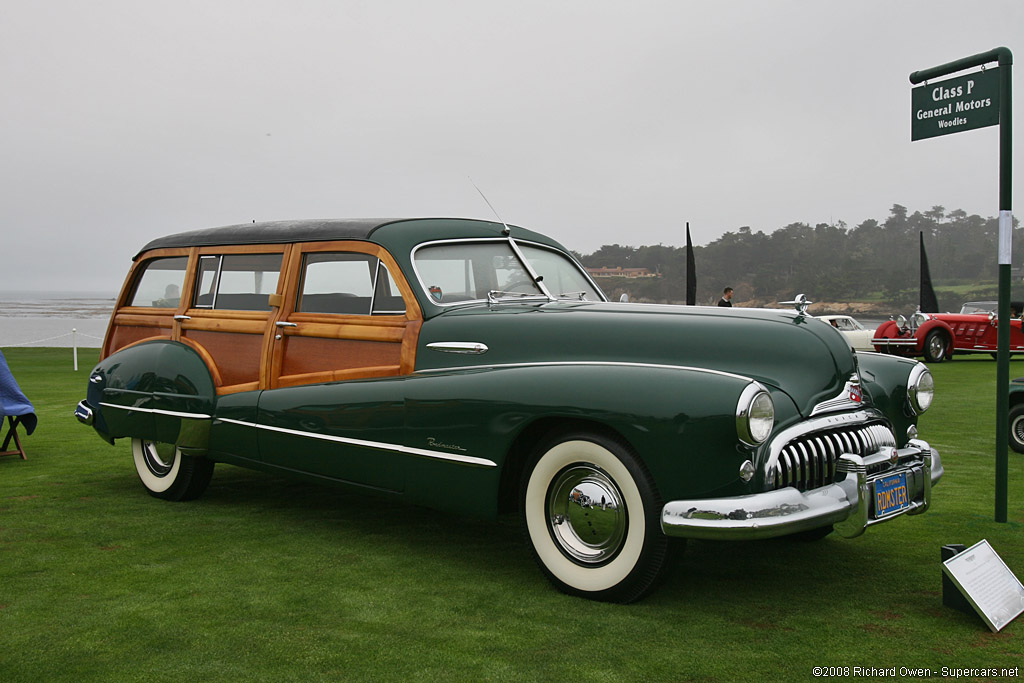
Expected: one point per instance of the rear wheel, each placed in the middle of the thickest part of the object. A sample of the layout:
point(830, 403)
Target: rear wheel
point(593, 518)
point(935, 347)
point(168, 473)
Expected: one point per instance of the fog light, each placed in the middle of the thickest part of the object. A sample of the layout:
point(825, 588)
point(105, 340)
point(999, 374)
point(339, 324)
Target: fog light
point(912, 432)
point(747, 470)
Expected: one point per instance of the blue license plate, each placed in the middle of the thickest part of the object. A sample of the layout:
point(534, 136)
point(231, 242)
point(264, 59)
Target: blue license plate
point(891, 494)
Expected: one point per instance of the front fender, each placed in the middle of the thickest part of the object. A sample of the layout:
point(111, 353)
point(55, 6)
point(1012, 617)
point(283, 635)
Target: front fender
point(681, 421)
point(159, 390)
point(884, 378)
point(928, 327)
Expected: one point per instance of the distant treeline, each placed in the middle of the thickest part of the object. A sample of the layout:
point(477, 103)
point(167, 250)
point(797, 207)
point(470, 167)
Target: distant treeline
point(873, 262)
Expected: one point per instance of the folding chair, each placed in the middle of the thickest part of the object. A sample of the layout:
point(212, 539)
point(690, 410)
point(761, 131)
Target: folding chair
point(17, 409)
point(12, 434)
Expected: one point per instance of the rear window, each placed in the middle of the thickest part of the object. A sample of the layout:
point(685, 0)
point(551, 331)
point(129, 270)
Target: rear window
point(238, 282)
point(160, 282)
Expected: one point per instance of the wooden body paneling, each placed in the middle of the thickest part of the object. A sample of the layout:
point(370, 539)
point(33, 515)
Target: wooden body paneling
point(319, 347)
point(248, 350)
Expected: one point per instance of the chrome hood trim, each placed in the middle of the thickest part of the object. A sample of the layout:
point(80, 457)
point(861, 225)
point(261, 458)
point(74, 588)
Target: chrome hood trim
point(851, 397)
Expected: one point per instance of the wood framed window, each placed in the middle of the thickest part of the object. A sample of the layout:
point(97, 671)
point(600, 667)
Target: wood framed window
point(232, 304)
point(151, 296)
point(348, 317)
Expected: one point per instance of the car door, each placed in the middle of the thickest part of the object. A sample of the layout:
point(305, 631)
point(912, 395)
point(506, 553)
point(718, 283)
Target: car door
point(233, 299)
point(343, 339)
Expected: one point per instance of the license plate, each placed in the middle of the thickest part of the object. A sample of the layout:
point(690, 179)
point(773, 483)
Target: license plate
point(891, 494)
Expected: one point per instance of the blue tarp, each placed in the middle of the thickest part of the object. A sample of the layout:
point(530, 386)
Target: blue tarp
point(12, 401)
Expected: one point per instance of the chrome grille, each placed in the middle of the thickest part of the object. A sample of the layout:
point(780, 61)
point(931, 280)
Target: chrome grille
point(809, 460)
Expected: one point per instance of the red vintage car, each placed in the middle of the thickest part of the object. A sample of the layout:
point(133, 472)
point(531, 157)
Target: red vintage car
point(937, 336)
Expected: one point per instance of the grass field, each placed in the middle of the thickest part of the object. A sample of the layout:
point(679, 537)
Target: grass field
point(265, 578)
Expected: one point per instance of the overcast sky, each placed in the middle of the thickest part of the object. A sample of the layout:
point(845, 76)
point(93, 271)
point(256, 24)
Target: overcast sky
point(594, 122)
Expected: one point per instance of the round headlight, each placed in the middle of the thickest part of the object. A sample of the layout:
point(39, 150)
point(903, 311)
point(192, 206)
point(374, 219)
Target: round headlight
point(920, 389)
point(755, 415)
point(901, 321)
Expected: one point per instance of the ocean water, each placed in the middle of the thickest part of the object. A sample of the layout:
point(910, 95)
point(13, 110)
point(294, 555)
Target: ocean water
point(62, 319)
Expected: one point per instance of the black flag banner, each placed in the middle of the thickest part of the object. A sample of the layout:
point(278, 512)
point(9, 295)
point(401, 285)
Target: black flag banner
point(691, 273)
point(929, 304)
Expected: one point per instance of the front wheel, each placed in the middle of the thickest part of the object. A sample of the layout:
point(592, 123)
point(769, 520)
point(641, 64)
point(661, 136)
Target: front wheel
point(935, 347)
point(1017, 428)
point(592, 515)
point(168, 473)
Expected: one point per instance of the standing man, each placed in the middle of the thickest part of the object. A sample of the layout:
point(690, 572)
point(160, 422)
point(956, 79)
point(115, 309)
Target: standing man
point(726, 299)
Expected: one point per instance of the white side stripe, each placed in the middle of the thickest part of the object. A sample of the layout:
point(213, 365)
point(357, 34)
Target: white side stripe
point(439, 455)
point(157, 411)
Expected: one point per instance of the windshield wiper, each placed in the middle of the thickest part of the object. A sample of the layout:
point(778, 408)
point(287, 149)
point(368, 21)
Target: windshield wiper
point(496, 296)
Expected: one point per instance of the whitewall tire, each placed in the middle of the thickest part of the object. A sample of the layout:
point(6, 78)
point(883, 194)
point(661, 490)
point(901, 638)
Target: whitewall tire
point(592, 516)
point(1017, 428)
point(167, 473)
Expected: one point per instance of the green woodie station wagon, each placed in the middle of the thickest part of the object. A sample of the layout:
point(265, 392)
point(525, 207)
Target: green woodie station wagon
point(475, 367)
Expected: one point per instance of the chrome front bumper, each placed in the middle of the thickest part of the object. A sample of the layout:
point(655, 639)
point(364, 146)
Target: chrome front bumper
point(845, 504)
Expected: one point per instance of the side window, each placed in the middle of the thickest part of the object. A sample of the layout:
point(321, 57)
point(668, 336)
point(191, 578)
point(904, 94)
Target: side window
point(347, 283)
point(387, 300)
point(239, 282)
point(159, 284)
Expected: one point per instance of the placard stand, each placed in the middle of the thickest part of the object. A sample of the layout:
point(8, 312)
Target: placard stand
point(984, 584)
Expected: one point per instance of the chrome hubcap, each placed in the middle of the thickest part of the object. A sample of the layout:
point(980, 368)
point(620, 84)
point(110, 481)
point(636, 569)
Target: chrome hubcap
point(1017, 430)
point(938, 347)
point(586, 514)
point(159, 457)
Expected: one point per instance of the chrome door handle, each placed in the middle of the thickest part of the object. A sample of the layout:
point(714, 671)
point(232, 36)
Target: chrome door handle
point(284, 324)
point(182, 317)
point(472, 348)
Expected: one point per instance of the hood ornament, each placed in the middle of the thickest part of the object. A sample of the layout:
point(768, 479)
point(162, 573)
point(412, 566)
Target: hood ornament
point(801, 303)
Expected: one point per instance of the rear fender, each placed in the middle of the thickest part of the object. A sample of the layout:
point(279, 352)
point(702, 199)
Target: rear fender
point(159, 390)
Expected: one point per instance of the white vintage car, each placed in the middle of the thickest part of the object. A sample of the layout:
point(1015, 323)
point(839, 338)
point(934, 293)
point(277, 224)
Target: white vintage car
point(855, 333)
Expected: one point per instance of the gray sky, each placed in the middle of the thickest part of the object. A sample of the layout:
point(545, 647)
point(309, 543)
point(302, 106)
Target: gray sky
point(595, 122)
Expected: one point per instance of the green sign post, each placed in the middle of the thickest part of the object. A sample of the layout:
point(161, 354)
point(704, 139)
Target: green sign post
point(980, 99)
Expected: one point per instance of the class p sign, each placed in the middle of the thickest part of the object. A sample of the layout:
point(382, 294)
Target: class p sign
point(955, 105)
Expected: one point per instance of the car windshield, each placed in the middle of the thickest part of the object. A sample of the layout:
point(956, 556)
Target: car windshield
point(560, 275)
point(455, 272)
point(978, 307)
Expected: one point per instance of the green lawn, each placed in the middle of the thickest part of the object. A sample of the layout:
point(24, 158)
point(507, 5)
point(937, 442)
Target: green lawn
point(265, 578)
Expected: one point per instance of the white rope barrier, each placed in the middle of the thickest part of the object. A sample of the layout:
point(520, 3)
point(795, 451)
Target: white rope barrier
point(59, 336)
point(38, 341)
point(74, 333)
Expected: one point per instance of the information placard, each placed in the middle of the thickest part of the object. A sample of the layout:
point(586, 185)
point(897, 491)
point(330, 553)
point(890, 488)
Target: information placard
point(955, 105)
point(989, 585)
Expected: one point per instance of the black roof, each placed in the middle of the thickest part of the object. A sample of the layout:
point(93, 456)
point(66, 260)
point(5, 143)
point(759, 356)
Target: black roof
point(273, 232)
